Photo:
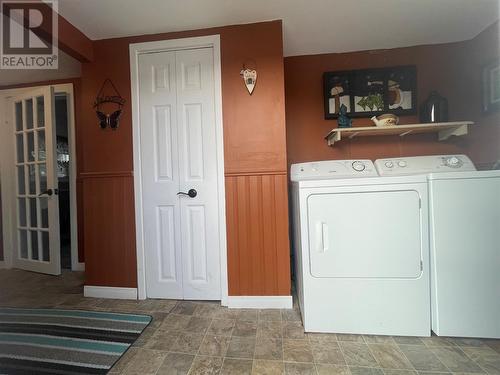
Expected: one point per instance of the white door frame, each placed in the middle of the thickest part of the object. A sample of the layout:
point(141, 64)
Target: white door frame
point(137, 49)
point(7, 169)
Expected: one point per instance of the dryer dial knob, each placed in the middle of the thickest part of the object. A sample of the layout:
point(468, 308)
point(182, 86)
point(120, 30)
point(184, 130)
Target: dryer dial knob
point(389, 164)
point(453, 162)
point(358, 166)
point(402, 164)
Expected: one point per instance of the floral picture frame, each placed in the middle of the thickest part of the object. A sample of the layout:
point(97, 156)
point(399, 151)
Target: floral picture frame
point(370, 92)
point(491, 87)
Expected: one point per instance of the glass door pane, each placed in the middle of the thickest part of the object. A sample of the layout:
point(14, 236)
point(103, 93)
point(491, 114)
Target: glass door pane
point(32, 179)
point(21, 187)
point(23, 244)
point(40, 112)
point(22, 212)
point(31, 146)
point(41, 145)
point(20, 147)
point(37, 203)
point(29, 113)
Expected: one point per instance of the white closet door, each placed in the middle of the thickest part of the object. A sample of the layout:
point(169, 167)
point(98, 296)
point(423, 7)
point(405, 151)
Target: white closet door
point(178, 153)
point(160, 175)
point(198, 170)
point(37, 206)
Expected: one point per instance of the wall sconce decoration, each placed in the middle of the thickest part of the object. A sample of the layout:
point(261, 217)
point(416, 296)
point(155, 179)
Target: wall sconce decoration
point(108, 119)
point(249, 77)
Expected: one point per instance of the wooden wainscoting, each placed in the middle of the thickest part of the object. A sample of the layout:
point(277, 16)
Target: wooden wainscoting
point(109, 229)
point(257, 234)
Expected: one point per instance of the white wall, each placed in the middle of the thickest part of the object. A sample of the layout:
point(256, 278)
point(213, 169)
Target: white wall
point(68, 68)
point(7, 178)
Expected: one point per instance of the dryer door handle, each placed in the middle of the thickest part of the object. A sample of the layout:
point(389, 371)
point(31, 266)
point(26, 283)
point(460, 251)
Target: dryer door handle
point(325, 243)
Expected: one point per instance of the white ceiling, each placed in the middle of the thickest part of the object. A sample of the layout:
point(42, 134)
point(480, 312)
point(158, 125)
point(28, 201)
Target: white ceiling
point(310, 26)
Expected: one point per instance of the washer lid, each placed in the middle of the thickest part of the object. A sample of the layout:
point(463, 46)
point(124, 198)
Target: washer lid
point(332, 169)
point(465, 175)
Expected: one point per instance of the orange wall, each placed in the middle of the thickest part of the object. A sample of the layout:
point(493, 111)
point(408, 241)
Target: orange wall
point(454, 70)
point(254, 146)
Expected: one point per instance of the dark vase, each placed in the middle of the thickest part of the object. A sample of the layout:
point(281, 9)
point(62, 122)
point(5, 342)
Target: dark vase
point(434, 109)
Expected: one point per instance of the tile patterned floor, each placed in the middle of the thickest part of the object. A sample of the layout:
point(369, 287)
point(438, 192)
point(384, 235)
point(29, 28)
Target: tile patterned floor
point(205, 338)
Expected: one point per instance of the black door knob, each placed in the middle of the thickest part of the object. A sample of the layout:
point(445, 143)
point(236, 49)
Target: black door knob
point(191, 193)
point(48, 192)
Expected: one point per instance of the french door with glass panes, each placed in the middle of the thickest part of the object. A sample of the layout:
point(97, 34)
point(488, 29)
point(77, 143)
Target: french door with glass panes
point(37, 206)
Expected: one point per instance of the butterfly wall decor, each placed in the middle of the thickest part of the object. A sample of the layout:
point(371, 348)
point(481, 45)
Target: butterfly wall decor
point(112, 120)
point(106, 119)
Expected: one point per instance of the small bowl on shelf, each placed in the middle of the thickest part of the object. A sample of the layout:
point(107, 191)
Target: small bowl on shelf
point(387, 119)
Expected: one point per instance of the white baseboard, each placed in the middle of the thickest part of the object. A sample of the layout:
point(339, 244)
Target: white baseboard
point(109, 292)
point(259, 302)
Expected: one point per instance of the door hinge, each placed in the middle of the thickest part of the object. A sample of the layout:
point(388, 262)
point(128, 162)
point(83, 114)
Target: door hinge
point(421, 266)
point(420, 203)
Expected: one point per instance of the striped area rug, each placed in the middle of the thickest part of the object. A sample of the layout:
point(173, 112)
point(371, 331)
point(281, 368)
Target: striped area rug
point(53, 341)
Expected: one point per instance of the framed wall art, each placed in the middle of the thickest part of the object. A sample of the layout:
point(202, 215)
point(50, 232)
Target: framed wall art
point(370, 92)
point(491, 87)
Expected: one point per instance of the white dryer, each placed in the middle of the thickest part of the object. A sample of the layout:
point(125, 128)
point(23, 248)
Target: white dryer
point(465, 243)
point(361, 249)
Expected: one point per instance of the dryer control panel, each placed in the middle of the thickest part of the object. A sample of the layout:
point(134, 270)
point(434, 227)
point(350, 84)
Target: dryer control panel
point(423, 165)
point(332, 169)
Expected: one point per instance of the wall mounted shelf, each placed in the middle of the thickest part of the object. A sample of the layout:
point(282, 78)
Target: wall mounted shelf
point(444, 130)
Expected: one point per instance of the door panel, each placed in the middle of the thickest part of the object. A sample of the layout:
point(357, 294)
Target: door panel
point(178, 153)
point(161, 77)
point(194, 142)
point(163, 134)
point(160, 175)
point(36, 183)
point(198, 170)
point(197, 253)
point(166, 229)
point(365, 234)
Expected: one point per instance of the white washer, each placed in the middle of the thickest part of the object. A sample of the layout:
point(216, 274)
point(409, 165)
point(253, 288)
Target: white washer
point(361, 249)
point(465, 245)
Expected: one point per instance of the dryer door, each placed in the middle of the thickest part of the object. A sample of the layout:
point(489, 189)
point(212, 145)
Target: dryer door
point(365, 234)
